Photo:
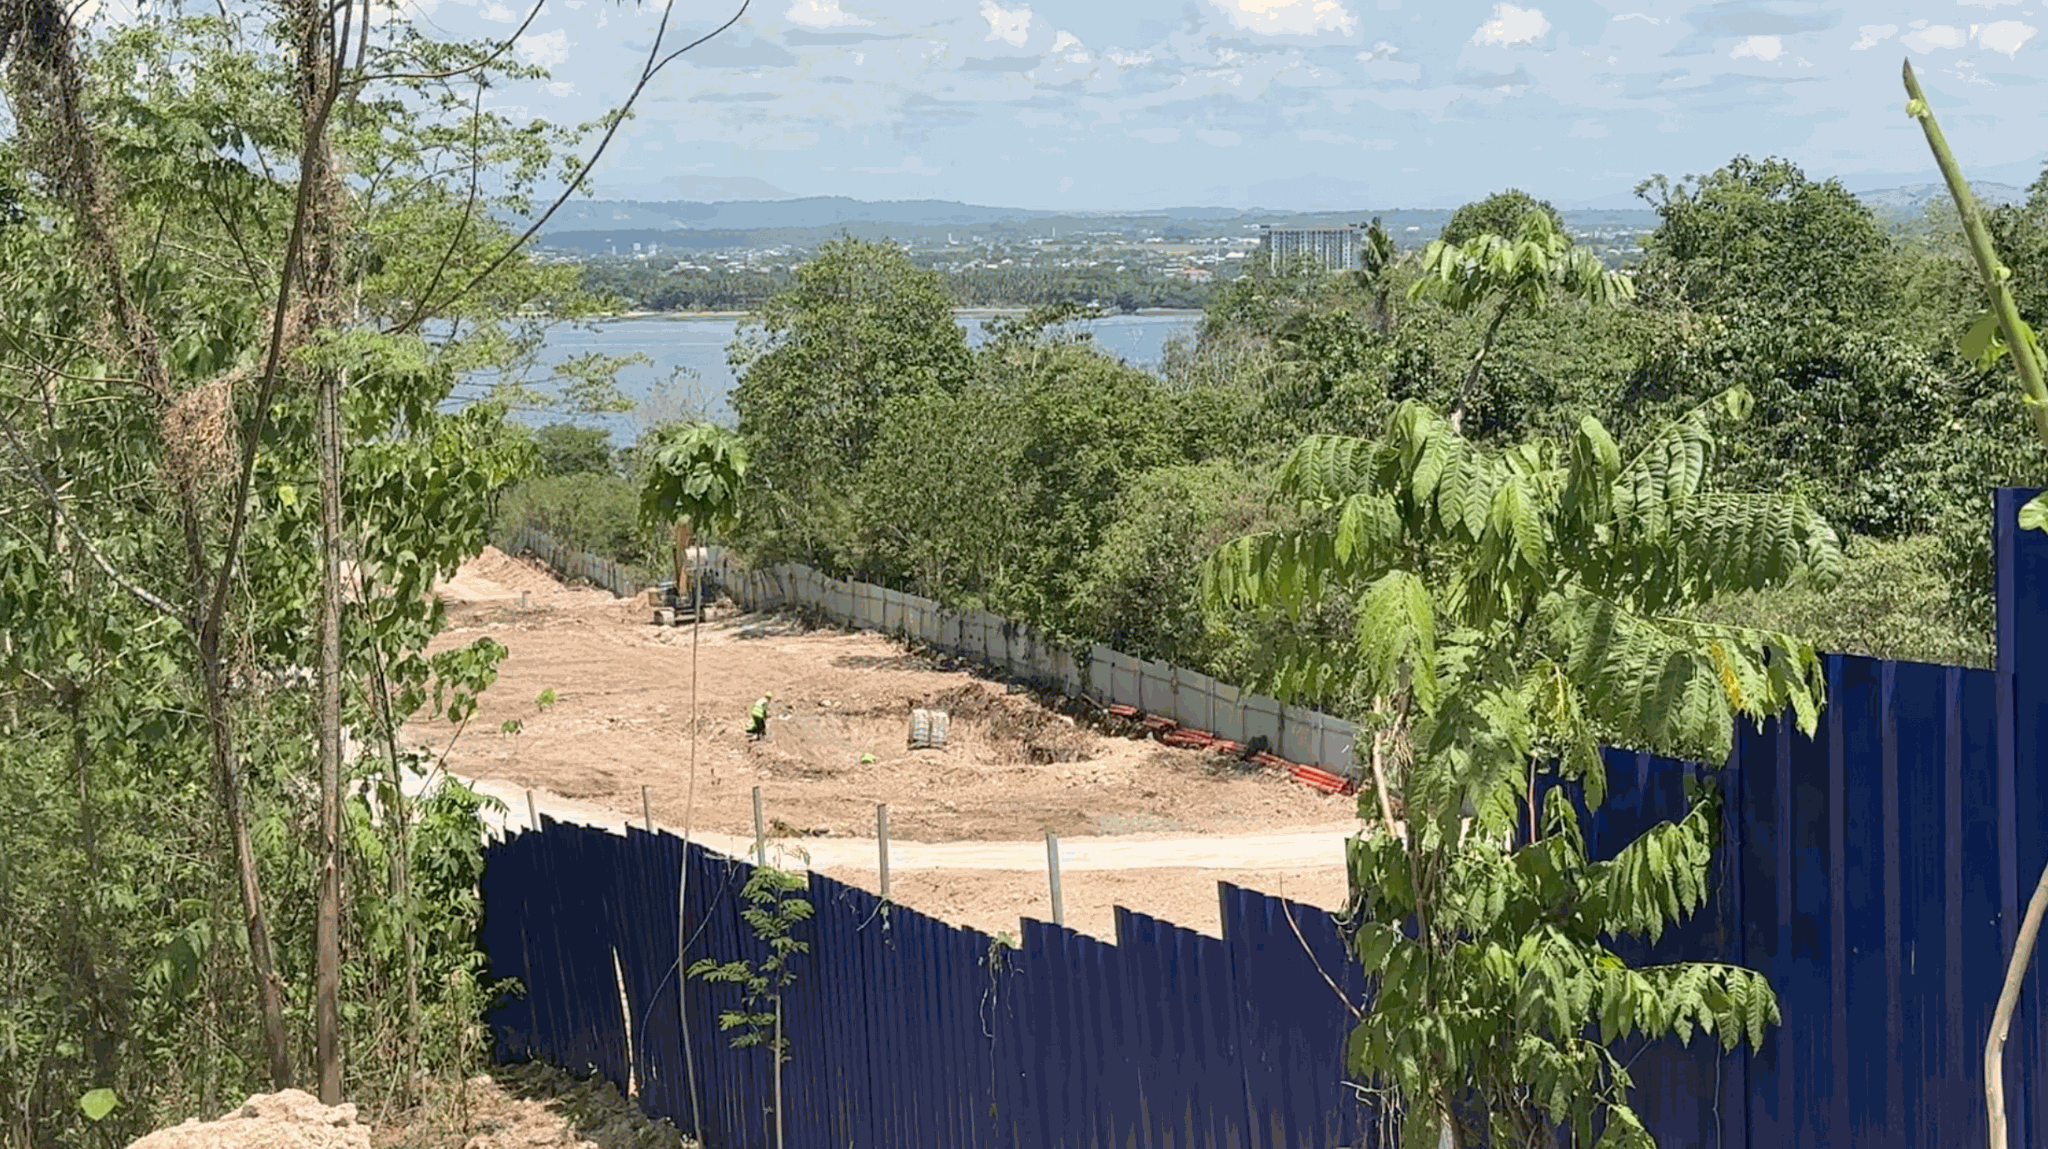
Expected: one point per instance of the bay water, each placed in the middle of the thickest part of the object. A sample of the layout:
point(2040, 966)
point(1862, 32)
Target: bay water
point(688, 374)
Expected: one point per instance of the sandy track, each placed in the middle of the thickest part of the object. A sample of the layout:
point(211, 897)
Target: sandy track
point(1142, 825)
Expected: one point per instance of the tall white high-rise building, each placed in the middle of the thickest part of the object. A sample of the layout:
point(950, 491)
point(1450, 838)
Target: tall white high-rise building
point(1337, 248)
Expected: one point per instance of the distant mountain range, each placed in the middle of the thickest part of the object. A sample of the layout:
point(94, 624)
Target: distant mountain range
point(596, 225)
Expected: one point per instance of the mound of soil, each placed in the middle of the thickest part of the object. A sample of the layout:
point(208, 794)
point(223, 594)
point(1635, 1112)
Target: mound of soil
point(292, 1119)
point(1013, 726)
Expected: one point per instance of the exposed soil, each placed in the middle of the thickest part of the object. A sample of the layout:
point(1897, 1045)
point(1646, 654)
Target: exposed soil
point(1014, 766)
point(522, 1106)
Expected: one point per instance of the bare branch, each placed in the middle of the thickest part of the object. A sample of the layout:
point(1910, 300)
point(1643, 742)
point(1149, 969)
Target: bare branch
point(647, 74)
point(55, 501)
point(486, 62)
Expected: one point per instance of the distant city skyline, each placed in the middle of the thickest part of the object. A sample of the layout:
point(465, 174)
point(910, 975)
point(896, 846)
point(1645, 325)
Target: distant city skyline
point(1283, 104)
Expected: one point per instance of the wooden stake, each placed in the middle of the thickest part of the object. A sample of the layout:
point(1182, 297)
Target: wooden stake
point(760, 835)
point(532, 814)
point(1052, 865)
point(882, 843)
point(646, 810)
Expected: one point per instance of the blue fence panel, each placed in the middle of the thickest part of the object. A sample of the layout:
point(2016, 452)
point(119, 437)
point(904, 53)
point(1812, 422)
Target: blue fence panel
point(2022, 593)
point(1084, 1088)
point(846, 923)
point(506, 886)
point(1292, 1025)
point(1184, 1047)
point(1682, 1090)
point(652, 977)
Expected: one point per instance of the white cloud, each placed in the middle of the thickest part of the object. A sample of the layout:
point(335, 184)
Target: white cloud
point(1378, 145)
point(1128, 59)
point(911, 165)
point(1380, 51)
point(1157, 135)
point(1217, 137)
point(2005, 36)
point(1066, 182)
point(1765, 48)
point(1872, 33)
point(1637, 16)
point(1323, 136)
point(821, 14)
point(1939, 36)
point(1011, 25)
point(1588, 129)
point(561, 89)
point(498, 13)
point(1289, 17)
point(544, 49)
point(1512, 25)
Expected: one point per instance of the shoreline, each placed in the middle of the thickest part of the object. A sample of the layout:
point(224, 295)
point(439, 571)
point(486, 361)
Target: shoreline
point(624, 316)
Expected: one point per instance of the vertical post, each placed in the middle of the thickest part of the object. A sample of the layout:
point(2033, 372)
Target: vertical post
point(882, 843)
point(682, 988)
point(532, 814)
point(646, 810)
point(760, 836)
point(1052, 866)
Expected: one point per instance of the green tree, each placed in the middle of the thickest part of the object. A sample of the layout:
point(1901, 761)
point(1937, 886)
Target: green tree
point(1525, 272)
point(1498, 214)
point(1761, 235)
point(774, 909)
point(1514, 610)
point(995, 496)
point(818, 364)
point(214, 398)
point(567, 449)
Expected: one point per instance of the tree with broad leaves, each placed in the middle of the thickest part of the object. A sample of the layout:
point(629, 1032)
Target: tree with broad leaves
point(1515, 610)
point(1522, 272)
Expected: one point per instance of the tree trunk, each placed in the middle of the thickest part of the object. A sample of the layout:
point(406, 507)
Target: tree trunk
point(44, 83)
point(1478, 364)
point(321, 307)
point(327, 935)
point(2008, 1000)
point(228, 771)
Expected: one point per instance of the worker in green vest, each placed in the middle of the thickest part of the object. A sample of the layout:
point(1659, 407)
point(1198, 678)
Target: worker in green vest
point(757, 718)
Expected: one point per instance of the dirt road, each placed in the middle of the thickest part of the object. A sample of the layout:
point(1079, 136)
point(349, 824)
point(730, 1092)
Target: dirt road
point(1143, 825)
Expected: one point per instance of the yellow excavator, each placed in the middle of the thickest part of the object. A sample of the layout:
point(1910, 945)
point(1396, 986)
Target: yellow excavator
point(682, 598)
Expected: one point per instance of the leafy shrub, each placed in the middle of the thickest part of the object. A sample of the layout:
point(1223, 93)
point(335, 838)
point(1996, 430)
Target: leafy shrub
point(598, 513)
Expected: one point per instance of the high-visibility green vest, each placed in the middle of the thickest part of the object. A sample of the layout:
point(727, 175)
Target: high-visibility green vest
point(759, 712)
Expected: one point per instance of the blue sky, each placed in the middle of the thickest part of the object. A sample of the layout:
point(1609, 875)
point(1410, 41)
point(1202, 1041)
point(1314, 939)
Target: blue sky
point(1296, 104)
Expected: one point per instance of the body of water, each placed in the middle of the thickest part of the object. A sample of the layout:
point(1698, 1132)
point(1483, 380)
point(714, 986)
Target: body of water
point(698, 343)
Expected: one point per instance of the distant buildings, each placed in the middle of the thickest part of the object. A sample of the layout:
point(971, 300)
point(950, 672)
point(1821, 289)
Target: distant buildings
point(1336, 248)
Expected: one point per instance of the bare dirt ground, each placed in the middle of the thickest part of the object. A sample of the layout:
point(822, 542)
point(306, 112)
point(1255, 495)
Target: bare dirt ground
point(530, 1106)
point(1142, 825)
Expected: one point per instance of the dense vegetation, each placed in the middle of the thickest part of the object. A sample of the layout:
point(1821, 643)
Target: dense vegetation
point(1041, 480)
point(219, 407)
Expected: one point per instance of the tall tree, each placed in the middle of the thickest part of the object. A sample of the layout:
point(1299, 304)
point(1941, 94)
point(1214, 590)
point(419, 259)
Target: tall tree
point(1514, 610)
point(1760, 234)
point(818, 363)
point(1498, 214)
point(1525, 272)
